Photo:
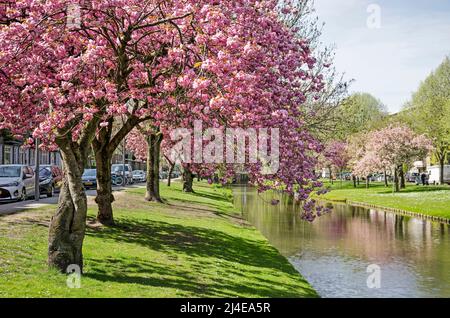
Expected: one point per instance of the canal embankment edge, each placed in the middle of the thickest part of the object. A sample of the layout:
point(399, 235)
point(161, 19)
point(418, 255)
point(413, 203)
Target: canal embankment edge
point(392, 210)
point(302, 279)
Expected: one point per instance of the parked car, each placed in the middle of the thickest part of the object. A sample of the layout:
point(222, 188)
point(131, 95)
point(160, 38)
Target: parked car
point(163, 175)
point(46, 182)
point(434, 173)
point(117, 169)
point(57, 175)
point(412, 177)
point(139, 176)
point(16, 182)
point(89, 178)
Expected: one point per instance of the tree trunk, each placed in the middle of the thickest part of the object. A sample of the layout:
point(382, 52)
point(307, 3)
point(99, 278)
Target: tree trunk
point(169, 178)
point(402, 177)
point(367, 182)
point(153, 163)
point(67, 227)
point(188, 180)
point(396, 181)
point(104, 145)
point(105, 197)
point(354, 181)
point(357, 180)
point(331, 175)
point(441, 169)
point(386, 184)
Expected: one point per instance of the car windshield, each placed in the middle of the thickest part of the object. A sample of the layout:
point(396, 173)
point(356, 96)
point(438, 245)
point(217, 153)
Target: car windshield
point(10, 172)
point(90, 173)
point(119, 168)
point(45, 173)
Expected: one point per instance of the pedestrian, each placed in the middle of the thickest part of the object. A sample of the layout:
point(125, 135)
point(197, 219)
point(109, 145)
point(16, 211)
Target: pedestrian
point(424, 179)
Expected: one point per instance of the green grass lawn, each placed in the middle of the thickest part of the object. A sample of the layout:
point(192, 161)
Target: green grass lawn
point(195, 245)
point(431, 200)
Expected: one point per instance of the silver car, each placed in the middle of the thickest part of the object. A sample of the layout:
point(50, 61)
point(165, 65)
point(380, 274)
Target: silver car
point(139, 176)
point(16, 182)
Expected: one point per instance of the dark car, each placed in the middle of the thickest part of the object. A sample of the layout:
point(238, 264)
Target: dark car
point(57, 175)
point(89, 178)
point(46, 182)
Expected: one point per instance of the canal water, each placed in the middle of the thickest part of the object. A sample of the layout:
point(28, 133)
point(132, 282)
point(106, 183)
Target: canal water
point(346, 252)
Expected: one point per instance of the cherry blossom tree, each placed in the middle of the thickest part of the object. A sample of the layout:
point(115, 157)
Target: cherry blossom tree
point(66, 82)
point(245, 84)
point(211, 71)
point(335, 157)
point(119, 63)
point(145, 142)
point(391, 148)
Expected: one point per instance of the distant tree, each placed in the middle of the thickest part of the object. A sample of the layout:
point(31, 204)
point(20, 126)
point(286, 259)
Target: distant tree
point(360, 112)
point(392, 147)
point(356, 149)
point(429, 112)
point(322, 114)
point(335, 157)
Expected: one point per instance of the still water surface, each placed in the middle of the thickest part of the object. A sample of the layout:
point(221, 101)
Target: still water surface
point(334, 252)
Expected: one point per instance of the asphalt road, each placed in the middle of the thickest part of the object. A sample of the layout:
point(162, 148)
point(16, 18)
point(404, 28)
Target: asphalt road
point(15, 207)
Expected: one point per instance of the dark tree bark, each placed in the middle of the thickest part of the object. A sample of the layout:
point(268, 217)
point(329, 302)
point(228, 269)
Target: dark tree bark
point(68, 225)
point(105, 197)
point(401, 174)
point(171, 169)
point(153, 164)
point(354, 181)
point(367, 182)
point(103, 158)
point(386, 183)
point(188, 180)
point(104, 145)
point(396, 181)
point(441, 157)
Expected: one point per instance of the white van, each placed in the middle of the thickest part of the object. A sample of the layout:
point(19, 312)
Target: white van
point(434, 173)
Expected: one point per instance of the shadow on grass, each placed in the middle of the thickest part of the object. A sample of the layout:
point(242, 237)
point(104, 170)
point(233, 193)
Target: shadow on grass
point(202, 262)
point(204, 283)
point(218, 201)
point(203, 247)
point(192, 241)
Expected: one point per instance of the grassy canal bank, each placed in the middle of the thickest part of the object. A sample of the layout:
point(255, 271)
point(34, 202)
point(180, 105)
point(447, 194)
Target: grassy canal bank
point(428, 200)
point(196, 245)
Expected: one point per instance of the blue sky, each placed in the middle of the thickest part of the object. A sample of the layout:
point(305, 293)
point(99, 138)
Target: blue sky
point(389, 62)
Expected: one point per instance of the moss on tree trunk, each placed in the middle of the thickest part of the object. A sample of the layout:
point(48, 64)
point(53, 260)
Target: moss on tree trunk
point(68, 225)
point(153, 165)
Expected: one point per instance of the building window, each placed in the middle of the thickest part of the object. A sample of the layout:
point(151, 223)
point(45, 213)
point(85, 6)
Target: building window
point(7, 160)
point(21, 156)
